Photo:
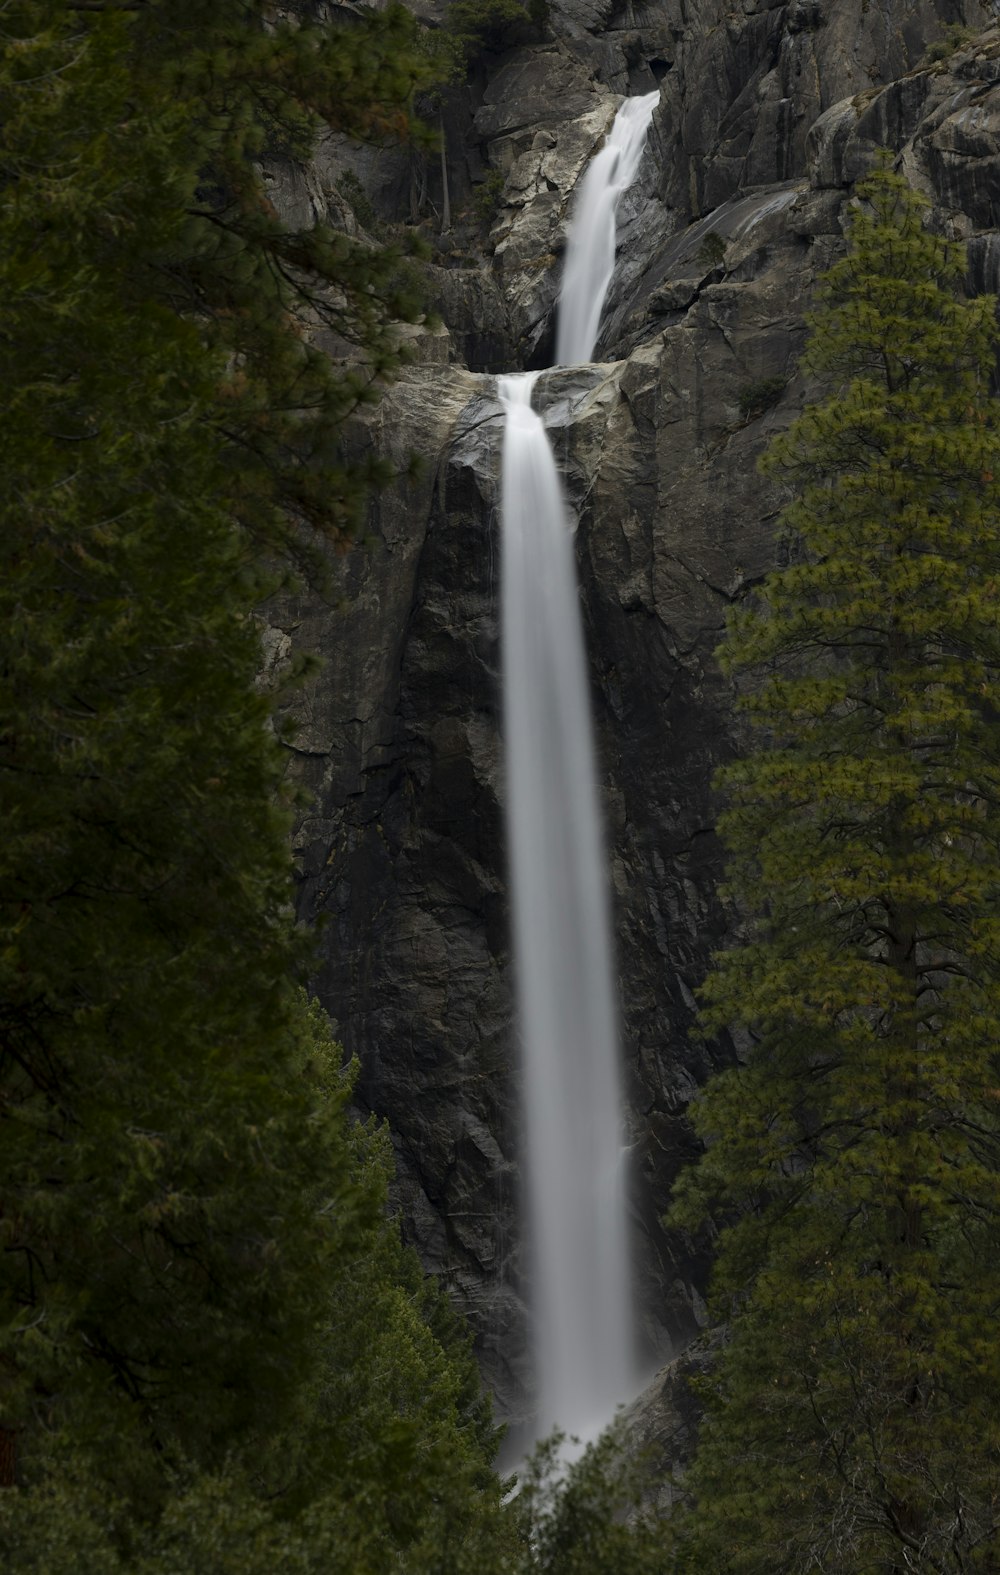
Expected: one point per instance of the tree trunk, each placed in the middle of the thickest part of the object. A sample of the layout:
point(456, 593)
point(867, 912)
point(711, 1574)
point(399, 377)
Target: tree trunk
point(414, 191)
point(445, 199)
point(8, 1457)
point(908, 1515)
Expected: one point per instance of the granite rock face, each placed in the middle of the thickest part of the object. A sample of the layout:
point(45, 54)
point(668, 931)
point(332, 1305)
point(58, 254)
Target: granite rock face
point(768, 115)
point(661, 1425)
point(741, 88)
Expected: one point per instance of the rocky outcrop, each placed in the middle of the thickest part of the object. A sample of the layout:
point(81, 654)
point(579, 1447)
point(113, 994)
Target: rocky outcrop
point(749, 82)
point(741, 90)
point(661, 1425)
point(768, 115)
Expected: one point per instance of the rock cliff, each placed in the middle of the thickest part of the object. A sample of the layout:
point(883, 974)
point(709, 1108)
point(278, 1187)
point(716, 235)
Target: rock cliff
point(768, 113)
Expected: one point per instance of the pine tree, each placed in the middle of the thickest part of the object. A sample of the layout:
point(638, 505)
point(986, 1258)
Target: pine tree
point(204, 94)
point(853, 1158)
point(590, 1515)
point(383, 1453)
point(189, 1227)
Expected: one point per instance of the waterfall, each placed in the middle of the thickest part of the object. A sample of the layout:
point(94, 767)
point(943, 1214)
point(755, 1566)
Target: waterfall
point(590, 250)
point(562, 949)
point(582, 1296)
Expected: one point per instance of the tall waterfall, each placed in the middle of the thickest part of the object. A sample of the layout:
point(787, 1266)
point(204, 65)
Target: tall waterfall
point(559, 897)
point(590, 251)
point(562, 949)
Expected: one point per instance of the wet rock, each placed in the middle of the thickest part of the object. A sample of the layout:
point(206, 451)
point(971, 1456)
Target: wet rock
point(530, 231)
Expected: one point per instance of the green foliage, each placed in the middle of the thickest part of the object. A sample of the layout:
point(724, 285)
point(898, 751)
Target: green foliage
point(146, 967)
point(588, 1517)
point(757, 397)
point(854, 1159)
point(359, 201)
point(712, 250)
point(200, 100)
point(488, 199)
point(213, 1352)
point(952, 40)
point(382, 1449)
point(475, 29)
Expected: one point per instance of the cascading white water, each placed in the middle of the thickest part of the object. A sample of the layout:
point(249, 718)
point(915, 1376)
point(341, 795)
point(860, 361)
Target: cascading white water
point(561, 918)
point(590, 249)
point(562, 949)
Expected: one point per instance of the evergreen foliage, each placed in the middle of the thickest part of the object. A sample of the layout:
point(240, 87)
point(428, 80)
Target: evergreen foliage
point(382, 1452)
point(712, 250)
point(213, 1352)
point(137, 135)
point(853, 1159)
point(759, 396)
point(475, 29)
point(589, 1517)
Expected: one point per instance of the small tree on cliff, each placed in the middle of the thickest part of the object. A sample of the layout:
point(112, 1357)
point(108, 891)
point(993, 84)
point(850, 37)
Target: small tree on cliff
point(854, 1158)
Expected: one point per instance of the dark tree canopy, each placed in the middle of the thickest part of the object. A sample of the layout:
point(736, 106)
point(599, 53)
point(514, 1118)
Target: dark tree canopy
point(854, 1158)
point(193, 1236)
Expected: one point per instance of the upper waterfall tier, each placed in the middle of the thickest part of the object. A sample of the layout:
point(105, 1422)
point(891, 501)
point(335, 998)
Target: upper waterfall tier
point(590, 250)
